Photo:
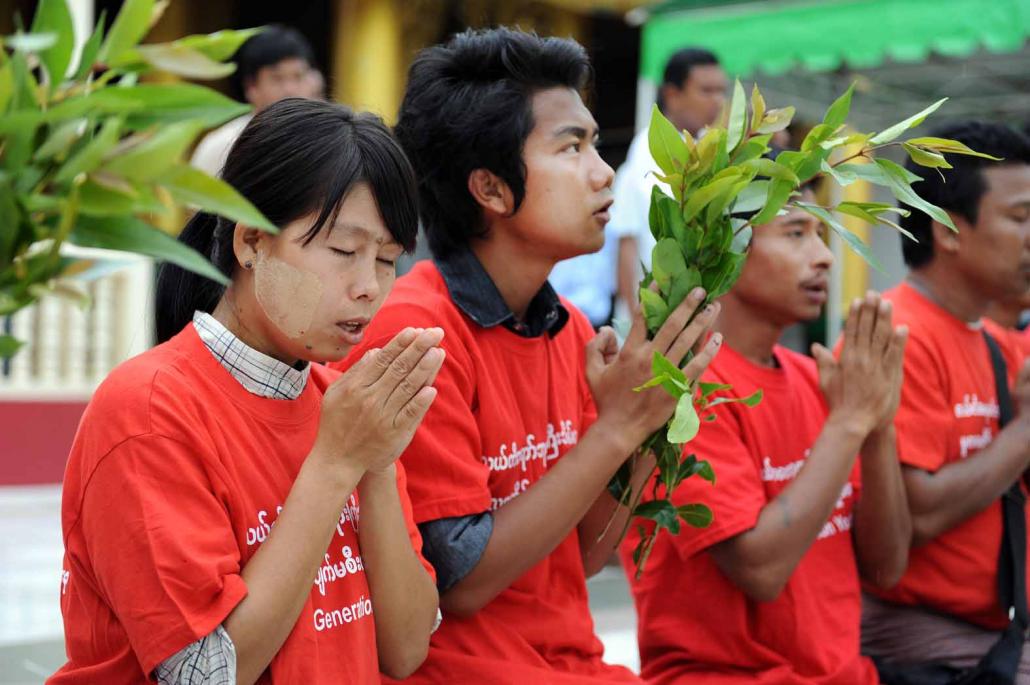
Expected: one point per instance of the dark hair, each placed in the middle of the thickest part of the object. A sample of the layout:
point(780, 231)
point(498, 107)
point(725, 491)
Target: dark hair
point(296, 157)
point(274, 44)
point(468, 106)
point(960, 188)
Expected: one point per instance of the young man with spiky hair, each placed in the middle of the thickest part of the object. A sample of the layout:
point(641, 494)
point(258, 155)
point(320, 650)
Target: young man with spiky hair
point(958, 463)
point(534, 414)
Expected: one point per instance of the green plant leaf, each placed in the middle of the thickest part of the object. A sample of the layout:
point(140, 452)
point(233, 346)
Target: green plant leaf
point(738, 117)
point(129, 234)
point(30, 43)
point(220, 45)
point(92, 153)
point(925, 157)
point(9, 223)
point(660, 511)
point(946, 145)
point(151, 104)
point(660, 365)
point(752, 198)
point(667, 263)
point(779, 193)
point(696, 515)
point(53, 16)
point(776, 120)
point(192, 186)
point(665, 143)
point(663, 216)
point(757, 108)
point(772, 169)
point(898, 182)
point(182, 61)
point(839, 110)
point(148, 159)
point(819, 134)
point(91, 48)
point(889, 134)
point(700, 198)
point(129, 27)
point(852, 240)
point(685, 422)
point(60, 140)
point(752, 148)
point(9, 345)
point(654, 308)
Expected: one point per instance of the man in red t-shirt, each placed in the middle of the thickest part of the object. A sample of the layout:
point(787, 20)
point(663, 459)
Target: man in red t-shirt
point(956, 460)
point(1013, 314)
point(533, 414)
point(769, 593)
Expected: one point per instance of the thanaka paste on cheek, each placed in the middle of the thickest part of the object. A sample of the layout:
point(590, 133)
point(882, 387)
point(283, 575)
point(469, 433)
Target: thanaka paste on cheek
point(289, 296)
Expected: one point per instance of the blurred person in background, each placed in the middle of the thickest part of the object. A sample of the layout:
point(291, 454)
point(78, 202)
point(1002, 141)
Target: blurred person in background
point(963, 448)
point(691, 96)
point(769, 593)
point(275, 64)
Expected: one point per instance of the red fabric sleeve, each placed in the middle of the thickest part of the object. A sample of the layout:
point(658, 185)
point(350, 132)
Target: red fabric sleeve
point(924, 420)
point(736, 500)
point(161, 546)
point(409, 519)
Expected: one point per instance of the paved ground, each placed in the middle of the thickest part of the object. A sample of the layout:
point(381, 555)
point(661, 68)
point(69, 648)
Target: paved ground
point(31, 645)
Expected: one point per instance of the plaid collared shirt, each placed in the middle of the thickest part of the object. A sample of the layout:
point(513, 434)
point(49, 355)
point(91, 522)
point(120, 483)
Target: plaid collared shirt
point(255, 371)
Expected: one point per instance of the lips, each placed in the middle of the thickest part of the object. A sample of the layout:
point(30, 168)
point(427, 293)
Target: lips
point(816, 289)
point(602, 213)
point(353, 330)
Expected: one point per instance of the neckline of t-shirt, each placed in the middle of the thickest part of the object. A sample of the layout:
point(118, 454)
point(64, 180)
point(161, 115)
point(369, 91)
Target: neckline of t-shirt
point(282, 411)
point(940, 312)
point(764, 376)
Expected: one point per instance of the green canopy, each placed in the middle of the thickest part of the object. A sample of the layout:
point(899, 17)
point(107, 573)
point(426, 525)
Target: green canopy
point(776, 36)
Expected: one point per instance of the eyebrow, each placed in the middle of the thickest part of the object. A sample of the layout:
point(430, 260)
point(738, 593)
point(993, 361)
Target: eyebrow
point(577, 132)
point(362, 232)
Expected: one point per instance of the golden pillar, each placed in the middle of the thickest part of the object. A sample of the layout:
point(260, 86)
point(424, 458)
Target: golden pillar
point(368, 56)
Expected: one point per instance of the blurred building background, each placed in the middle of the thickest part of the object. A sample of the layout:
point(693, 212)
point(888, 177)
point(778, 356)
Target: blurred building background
point(902, 54)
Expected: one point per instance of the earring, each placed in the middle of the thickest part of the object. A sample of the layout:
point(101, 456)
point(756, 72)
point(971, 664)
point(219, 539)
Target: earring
point(247, 264)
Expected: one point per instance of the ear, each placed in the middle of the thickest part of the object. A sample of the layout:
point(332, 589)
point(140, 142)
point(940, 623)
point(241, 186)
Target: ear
point(247, 243)
point(946, 240)
point(491, 192)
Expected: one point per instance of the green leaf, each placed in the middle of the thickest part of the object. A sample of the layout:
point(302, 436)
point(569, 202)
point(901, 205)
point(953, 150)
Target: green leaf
point(753, 148)
point(129, 234)
point(148, 159)
point(946, 145)
point(89, 156)
point(151, 104)
point(192, 186)
point(9, 345)
point(90, 50)
point(128, 29)
point(53, 16)
point(707, 389)
point(181, 61)
point(9, 223)
point(661, 511)
point(33, 43)
point(660, 365)
point(853, 241)
point(708, 147)
point(663, 215)
point(741, 239)
point(889, 134)
point(779, 193)
point(6, 81)
point(60, 140)
point(838, 111)
point(220, 45)
point(819, 134)
point(752, 198)
point(685, 422)
point(705, 194)
point(776, 120)
point(772, 169)
point(720, 279)
point(737, 118)
point(667, 263)
point(682, 285)
point(654, 307)
point(757, 108)
point(696, 515)
point(667, 148)
point(925, 157)
point(898, 182)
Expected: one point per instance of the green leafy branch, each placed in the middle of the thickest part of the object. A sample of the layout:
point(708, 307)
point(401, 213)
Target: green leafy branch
point(92, 157)
point(720, 187)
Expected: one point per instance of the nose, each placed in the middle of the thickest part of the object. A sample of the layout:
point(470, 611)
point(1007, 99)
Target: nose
point(602, 175)
point(365, 284)
point(822, 256)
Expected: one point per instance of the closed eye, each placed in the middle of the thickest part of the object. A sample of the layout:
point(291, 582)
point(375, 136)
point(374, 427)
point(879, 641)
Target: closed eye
point(342, 253)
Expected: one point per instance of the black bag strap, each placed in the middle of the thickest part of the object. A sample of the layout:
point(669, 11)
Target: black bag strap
point(1002, 661)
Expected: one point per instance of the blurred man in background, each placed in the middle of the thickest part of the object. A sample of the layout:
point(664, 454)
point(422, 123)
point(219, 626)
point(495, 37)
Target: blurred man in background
point(275, 64)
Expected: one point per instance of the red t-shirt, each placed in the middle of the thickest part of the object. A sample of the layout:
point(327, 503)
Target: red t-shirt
point(948, 412)
point(695, 626)
point(508, 407)
point(176, 475)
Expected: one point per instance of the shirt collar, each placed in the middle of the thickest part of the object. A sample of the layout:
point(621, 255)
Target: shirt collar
point(257, 372)
point(475, 293)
